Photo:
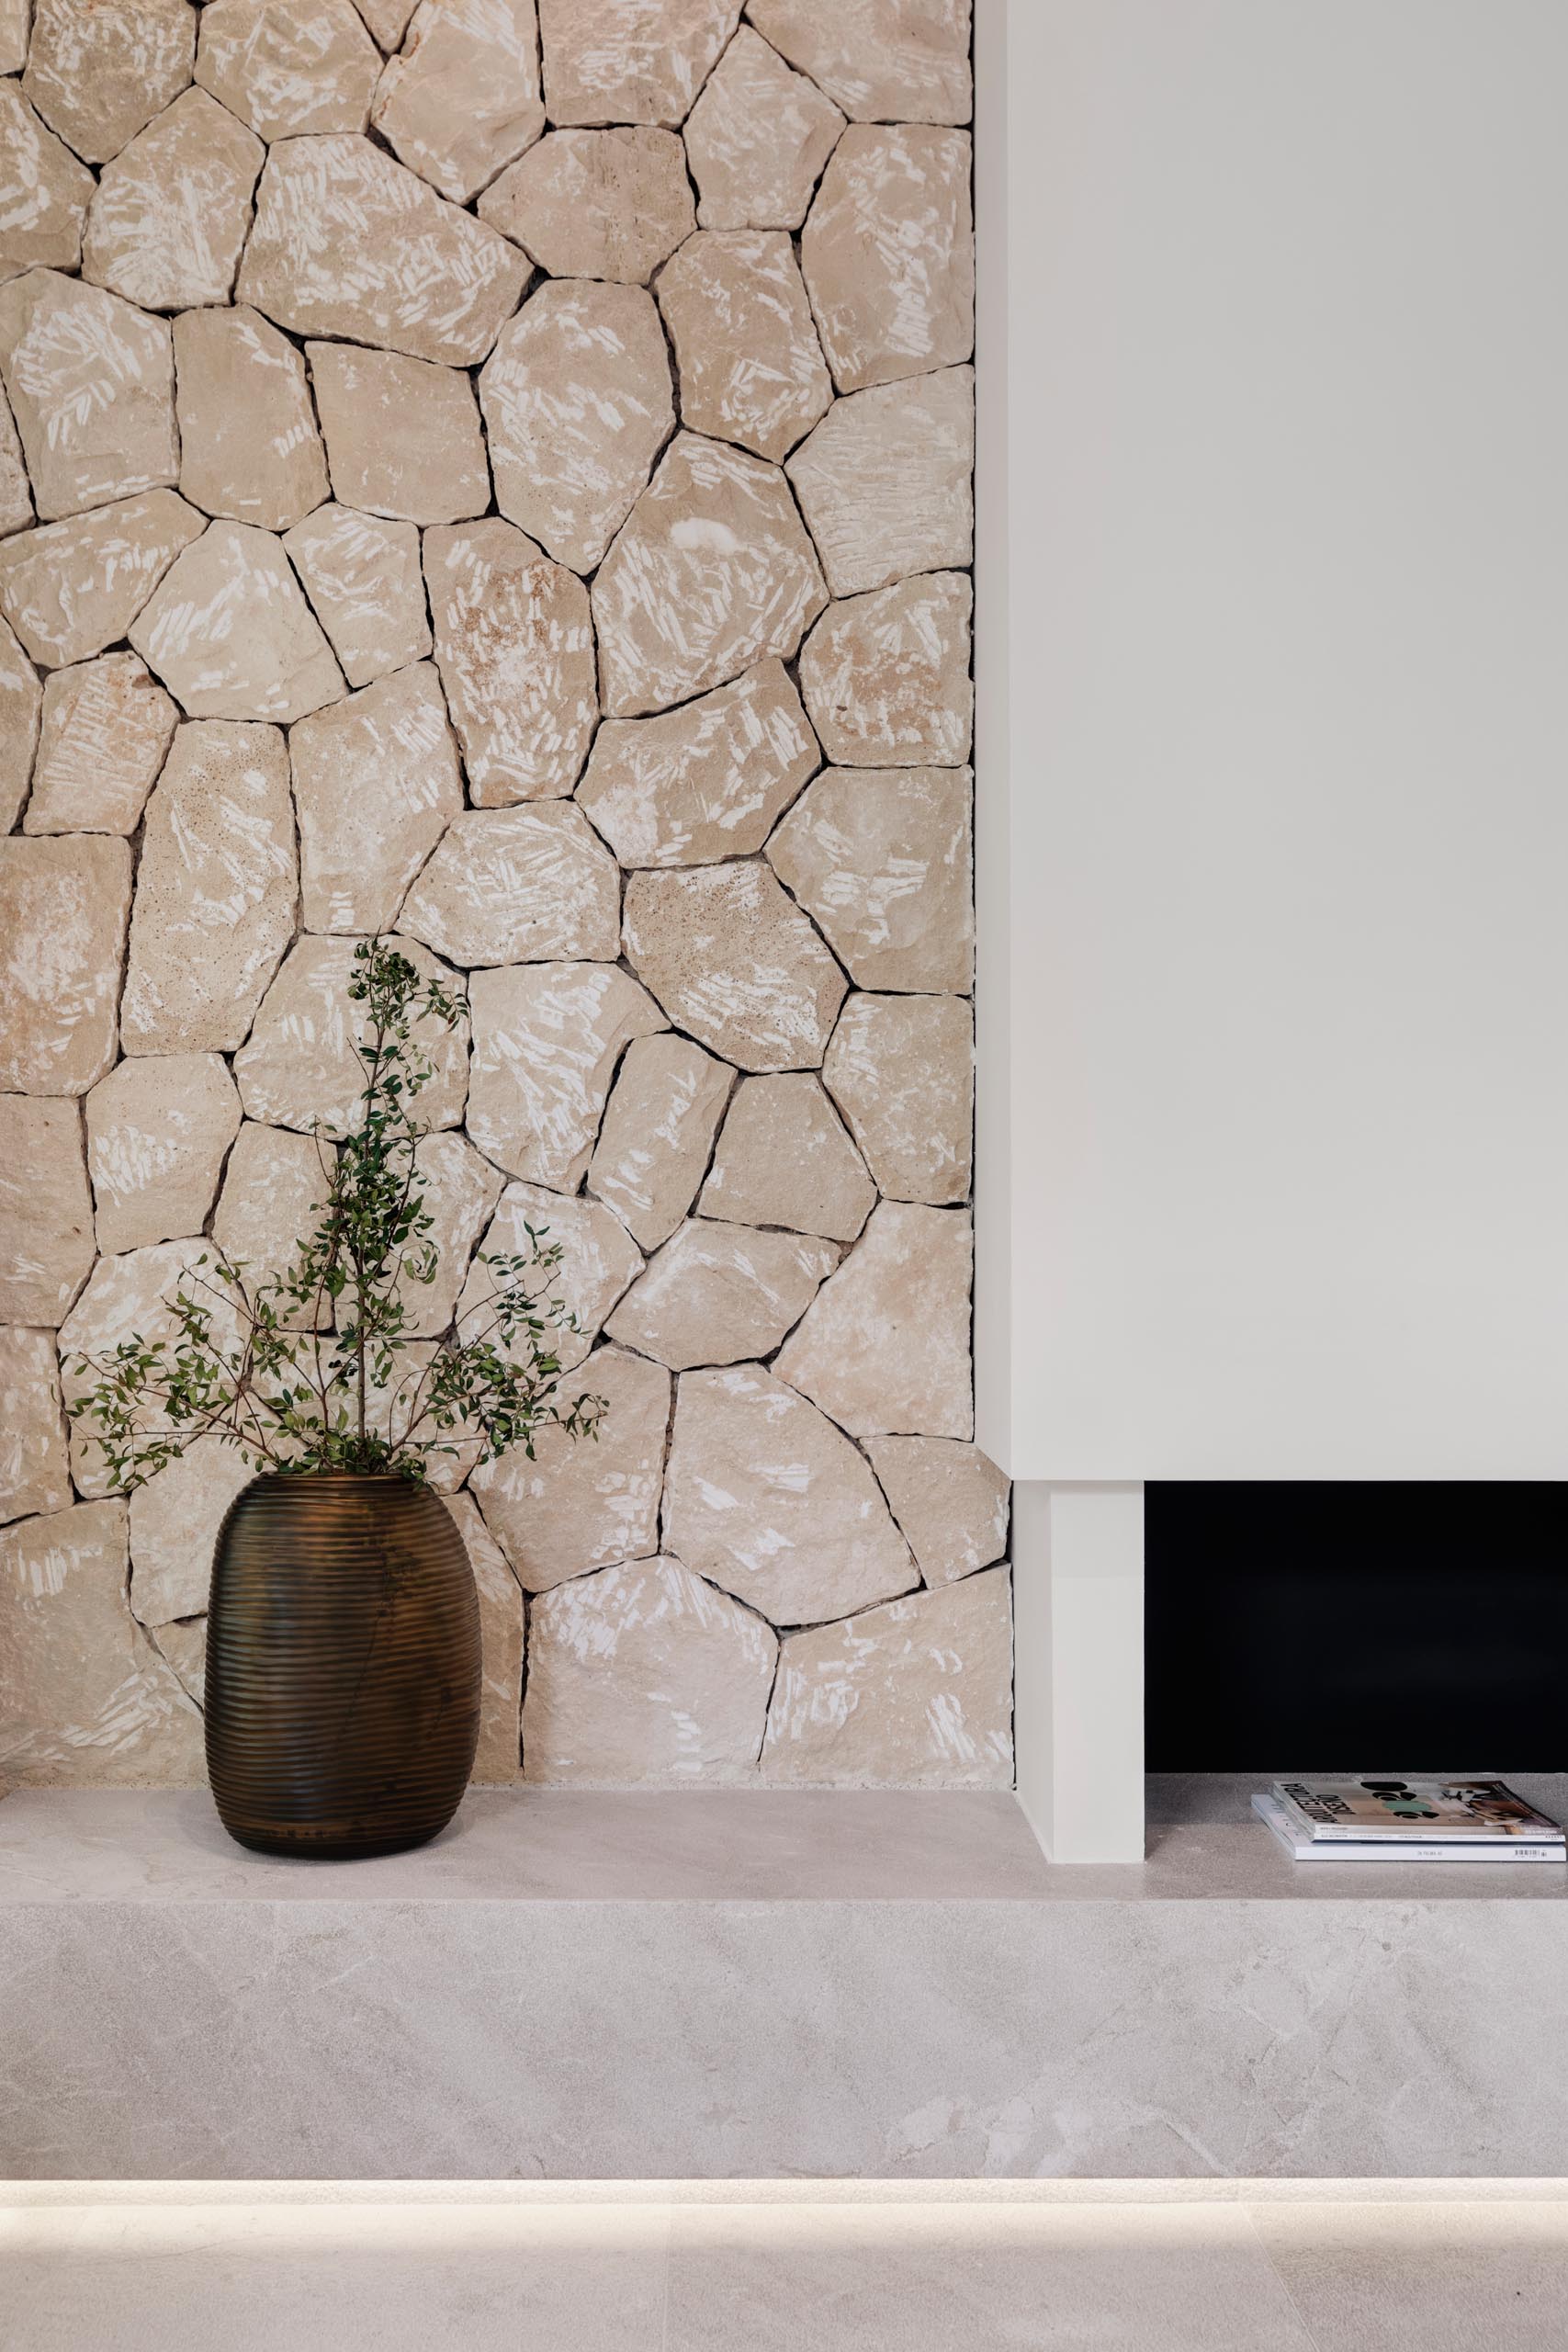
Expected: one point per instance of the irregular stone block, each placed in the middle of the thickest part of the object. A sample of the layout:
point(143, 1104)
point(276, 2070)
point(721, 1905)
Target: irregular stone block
point(299, 1068)
point(706, 782)
point(460, 1193)
point(784, 1159)
point(596, 203)
point(230, 635)
point(35, 1461)
point(751, 365)
point(546, 1040)
point(497, 1761)
point(133, 1297)
point(215, 891)
point(183, 1648)
point(882, 60)
point(950, 1500)
point(515, 645)
point(882, 859)
point(886, 480)
point(363, 577)
point(159, 1127)
point(644, 1674)
point(884, 1346)
point(387, 19)
point(462, 100)
point(606, 61)
point(21, 701)
point(174, 1519)
point(916, 1694)
point(86, 1698)
point(64, 904)
point(273, 1196)
point(288, 66)
point(768, 1500)
point(578, 404)
point(656, 1133)
point(583, 1503)
point(518, 885)
point(901, 1068)
point(757, 139)
point(733, 960)
point(599, 1259)
point(46, 1210)
point(711, 572)
point(714, 1294)
point(47, 192)
point(888, 253)
point(169, 220)
point(348, 243)
point(402, 436)
point(887, 676)
point(248, 448)
point(15, 491)
point(91, 383)
point(376, 784)
point(105, 733)
point(97, 73)
point(16, 23)
point(69, 589)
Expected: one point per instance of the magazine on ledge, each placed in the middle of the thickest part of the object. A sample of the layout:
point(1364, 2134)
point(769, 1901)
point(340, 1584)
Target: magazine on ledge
point(1304, 1848)
point(1386, 1811)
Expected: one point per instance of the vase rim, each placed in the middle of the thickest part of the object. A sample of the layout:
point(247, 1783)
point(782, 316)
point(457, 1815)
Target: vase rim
point(336, 1478)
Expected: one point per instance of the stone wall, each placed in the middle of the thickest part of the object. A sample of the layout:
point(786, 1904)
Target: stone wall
point(506, 483)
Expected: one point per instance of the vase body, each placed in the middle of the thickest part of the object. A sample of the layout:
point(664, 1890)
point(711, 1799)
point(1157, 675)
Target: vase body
point(343, 1666)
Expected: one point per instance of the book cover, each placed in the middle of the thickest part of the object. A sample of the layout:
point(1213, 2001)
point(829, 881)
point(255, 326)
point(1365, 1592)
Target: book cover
point(1391, 1811)
point(1303, 1848)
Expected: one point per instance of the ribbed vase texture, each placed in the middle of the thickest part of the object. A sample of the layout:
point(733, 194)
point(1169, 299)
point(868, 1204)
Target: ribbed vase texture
point(343, 1666)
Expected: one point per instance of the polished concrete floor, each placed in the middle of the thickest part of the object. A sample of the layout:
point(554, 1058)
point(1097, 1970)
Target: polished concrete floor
point(746, 2266)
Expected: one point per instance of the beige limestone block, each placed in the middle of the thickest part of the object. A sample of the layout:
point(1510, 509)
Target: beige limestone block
point(598, 1260)
point(182, 1647)
point(134, 1296)
point(15, 24)
point(950, 1500)
point(170, 217)
point(159, 1128)
point(882, 859)
point(215, 891)
point(656, 1133)
point(86, 1698)
point(888, 253)
point(498, 1760)
point(15, 491)
point(765, 1496)
point(733, 960)
point(69, 589)
point(546, 1040)
point(583, 1502)
point(514, 646)
point(757, 139)
point(299, 1065)
point(595, 203)
point(362, 575)
point(22, 702)
point(706, 782)
point(347, 242)
point(91, 384)
point(578, 404)
point(711, 572)
point(886, 480)
point(376, 784)
point(462, 99)
point(518, 885)
point(46, 1210)
point(403, 436)
point(288, 66)
point(98, 69)
point(248, 448)
point(630, 61)
point(644, 1674)
point(460, 1190)
point(784, 1159)
point(916, 1694)
point(47, 192)
point(105, 733)
point(717, 1293)
point(174, 1519)
point(230, 635)
point(64, 904)
point(387, 19)
point(273, 1196)
point(34, 1460)
point(887, 676)
point(391, 1410)
point(901, 1068)
point(750, 363)
point(884, 1346)
point(884, 60)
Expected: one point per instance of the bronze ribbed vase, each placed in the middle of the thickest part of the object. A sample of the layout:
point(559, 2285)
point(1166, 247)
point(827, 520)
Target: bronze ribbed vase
point(343, 1666)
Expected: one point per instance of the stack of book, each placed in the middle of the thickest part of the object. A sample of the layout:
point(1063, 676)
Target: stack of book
point(1390, 1820)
